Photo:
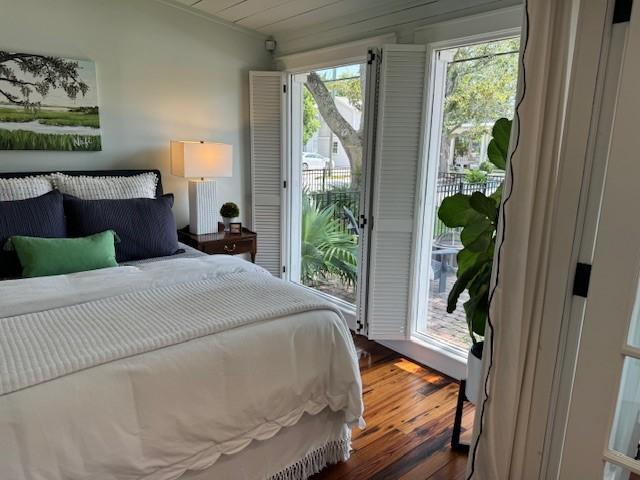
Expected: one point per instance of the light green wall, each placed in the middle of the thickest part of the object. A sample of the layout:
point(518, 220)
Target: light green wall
point(162, 73)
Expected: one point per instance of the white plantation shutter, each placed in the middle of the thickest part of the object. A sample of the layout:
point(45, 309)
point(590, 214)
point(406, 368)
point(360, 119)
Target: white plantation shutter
point(266, 110)
point(401, 105)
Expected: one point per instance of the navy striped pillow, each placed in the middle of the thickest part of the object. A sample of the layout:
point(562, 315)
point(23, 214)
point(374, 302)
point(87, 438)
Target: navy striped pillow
point(41, 216)
point(146, 226)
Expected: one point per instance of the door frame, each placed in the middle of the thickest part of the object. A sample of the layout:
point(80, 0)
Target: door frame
point(604, 345)
point(570, 231)
point(583, 252)
point(291, 172)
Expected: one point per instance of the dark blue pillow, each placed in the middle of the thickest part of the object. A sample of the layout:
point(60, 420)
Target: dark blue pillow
point(34, 217)
point(146, 226)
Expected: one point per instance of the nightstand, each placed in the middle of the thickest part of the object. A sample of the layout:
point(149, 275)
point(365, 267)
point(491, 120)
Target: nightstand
point(222, 242)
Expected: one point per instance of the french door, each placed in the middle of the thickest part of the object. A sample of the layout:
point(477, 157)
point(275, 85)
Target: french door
point(326, 180)
point(603, 427)
point(291, 172)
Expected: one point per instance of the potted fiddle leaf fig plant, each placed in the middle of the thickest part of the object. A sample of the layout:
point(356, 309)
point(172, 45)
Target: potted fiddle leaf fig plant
point(477, 217)
point(228, 212)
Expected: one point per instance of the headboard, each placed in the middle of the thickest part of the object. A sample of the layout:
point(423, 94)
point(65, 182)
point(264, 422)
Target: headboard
point(91, 173)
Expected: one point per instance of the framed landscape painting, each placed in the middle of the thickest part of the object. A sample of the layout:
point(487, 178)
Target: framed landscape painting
point(48, 103)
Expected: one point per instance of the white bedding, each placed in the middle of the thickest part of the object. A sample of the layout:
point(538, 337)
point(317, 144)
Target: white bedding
point(178, 408)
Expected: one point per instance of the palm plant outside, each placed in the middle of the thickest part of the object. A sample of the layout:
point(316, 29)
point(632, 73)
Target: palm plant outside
point(328, 251)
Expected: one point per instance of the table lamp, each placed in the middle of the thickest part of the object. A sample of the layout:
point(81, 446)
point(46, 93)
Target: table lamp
point(199, 162)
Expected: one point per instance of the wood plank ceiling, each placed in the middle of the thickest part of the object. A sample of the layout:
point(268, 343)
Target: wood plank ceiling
point(286, 19)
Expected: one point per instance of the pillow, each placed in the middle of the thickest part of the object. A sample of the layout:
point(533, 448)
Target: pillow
point(102, 188)
point(23, 188)
point(35, 217)
point(41, 257)
point(146, 227)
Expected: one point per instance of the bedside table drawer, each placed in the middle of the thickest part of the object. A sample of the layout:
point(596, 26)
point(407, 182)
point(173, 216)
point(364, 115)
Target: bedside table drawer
point(221, 242)
point(229, 246)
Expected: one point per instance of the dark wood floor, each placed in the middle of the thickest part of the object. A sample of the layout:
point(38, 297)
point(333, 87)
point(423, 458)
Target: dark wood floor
point(409, 412)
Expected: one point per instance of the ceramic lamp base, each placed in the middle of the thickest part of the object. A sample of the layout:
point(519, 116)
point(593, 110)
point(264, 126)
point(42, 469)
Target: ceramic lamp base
point(203, 215)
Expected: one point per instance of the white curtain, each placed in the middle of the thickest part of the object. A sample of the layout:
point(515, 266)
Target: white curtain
point(517, 303)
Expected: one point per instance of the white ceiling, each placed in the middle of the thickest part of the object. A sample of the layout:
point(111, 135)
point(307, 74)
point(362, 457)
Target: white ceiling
point(287, 20)
point(275, 17)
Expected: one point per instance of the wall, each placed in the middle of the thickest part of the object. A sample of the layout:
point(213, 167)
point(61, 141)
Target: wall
point(163, 74)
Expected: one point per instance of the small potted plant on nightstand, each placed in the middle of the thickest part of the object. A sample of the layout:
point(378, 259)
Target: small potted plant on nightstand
point(229, 211)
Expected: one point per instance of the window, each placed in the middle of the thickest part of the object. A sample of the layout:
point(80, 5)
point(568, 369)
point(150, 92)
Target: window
point(472, 86)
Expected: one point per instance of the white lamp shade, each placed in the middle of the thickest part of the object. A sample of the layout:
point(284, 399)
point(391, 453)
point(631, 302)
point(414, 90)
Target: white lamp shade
point(201, 159)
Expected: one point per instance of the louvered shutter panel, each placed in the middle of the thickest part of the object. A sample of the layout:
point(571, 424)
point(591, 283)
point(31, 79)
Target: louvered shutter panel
point(266, 110)
point(401, 106)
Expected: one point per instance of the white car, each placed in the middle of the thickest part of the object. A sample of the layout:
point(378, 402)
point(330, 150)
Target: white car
point(314, 161)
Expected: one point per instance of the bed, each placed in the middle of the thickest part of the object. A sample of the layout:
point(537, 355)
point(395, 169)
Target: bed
point(187, 367)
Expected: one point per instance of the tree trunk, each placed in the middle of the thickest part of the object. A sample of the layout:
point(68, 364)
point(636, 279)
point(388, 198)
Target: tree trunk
point(350, 138)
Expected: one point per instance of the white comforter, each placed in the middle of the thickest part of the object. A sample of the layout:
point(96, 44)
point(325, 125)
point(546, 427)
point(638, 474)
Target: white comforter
point(157, 414)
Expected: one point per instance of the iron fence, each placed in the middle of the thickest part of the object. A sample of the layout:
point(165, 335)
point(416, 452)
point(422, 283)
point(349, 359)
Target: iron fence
point(451, 184)
point(326, 179)
point(334, 187)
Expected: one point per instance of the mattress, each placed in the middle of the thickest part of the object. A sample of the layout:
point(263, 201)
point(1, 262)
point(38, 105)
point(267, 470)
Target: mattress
point(185, 251)
point(177, 408)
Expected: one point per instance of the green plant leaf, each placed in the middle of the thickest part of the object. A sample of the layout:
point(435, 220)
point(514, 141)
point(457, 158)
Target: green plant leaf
point(466, 258)
point(460, 285)
point(457, 289)
point(495, 157)
point(501, 133)
point(476, 313)
point(455, 211)
point(485, 205)
point(477, 307)
point(476, 230)
point(483, 243)
point(497, 195)
point(499, 145)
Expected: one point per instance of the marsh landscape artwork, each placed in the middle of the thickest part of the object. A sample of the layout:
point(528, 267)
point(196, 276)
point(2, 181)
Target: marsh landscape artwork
point(48, 103)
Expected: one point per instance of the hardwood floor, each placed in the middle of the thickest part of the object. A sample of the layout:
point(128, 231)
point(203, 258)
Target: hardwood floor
point(409, 411)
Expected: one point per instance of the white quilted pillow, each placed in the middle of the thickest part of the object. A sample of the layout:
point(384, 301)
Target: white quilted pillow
point(103, 188)
point(23, 188)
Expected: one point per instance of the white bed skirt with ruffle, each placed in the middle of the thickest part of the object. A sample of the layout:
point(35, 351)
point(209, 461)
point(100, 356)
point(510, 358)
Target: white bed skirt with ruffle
point(294, 453)
point(333, 452)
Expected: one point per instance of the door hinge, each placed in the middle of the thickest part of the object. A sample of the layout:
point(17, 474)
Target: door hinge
point(370, 57)
point(581, 280)
point(284, 269)
point(284, 184)
point(622, 11)
point(363, 221)
point(284, 88)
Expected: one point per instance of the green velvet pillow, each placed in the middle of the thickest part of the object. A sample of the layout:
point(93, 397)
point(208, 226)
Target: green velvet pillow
point(41, 257)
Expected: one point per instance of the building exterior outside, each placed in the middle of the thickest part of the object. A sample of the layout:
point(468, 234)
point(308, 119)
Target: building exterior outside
point(325, 143)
